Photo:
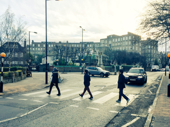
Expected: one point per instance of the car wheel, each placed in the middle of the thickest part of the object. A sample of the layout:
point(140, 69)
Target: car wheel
point(106, 75)
point(92, 75)
point(101, 75)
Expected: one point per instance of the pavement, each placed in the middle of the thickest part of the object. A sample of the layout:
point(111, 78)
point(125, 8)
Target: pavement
point(36, 82)
point(159, 115)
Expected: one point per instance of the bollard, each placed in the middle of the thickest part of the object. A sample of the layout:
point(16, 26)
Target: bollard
point(168, 90)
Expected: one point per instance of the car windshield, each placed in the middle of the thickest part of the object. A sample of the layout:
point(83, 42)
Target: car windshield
point(135, 70)
point(99, 68)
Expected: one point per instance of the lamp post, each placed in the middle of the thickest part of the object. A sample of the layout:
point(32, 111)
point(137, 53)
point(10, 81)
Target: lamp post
point(168, 92)
point(82, 40)
point(57, 62)
point(90, 59)
point(1, 83)
point(82, 66)
point(29, 46)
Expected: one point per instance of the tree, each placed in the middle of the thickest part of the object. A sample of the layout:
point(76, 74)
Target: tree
point(10, 29)
point(155, 22)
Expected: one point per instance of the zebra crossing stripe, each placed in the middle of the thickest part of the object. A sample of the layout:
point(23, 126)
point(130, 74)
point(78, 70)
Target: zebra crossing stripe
point(87, 96)
point(68, 95)
point(33, 93)
point(124, 102)
point(105, 98)
point(54, 93)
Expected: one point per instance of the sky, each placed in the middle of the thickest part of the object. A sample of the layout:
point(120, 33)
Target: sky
point(99, 18)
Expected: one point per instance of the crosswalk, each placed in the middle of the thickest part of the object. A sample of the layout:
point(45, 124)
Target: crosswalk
point(73, 94)
point(99, 97)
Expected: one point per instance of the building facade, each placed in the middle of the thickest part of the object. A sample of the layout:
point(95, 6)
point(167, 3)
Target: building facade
point(15, 54)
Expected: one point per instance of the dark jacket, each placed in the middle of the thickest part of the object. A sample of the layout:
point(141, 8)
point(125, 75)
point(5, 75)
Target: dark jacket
point(86, 80)
point(121, 81)
point(55, 77)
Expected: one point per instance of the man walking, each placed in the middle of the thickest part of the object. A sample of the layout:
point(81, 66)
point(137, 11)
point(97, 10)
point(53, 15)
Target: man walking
point(121, 86)
point(86, 84)
point(54, 81)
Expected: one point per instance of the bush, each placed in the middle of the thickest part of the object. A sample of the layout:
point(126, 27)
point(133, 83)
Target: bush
point(5, 74)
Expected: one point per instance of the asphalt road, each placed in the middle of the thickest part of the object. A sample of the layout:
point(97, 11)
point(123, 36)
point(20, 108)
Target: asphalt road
point(36, 108)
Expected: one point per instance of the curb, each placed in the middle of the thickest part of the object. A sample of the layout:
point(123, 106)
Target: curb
point(149, 118)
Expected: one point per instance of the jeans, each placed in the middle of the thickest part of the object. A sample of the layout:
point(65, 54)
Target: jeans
point(51, 85)
point(121, 94)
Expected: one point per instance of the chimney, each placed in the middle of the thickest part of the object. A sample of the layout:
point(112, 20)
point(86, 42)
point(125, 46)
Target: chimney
point(25, 46)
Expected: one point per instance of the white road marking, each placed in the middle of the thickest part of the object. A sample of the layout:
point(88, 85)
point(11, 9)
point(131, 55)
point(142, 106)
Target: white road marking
point(54, 93)
point(113, 111)
point(8, 119)
point(92, 108)
point(87, 96)
point(105, 98)
point(23, 114)
point(33, 93)
point(37, 101)
point(68, 95)
point(150, 91)
point(74, 106)
point(134, 120)
point(29, 94)
point(23, 99)
point(138, 115)
point(9, 98)
point(124, 102)
point(53, 103)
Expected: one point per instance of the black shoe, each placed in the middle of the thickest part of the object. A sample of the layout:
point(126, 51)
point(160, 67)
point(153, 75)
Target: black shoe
point(81, 95)
point(118, 101)
point(58, 94)
point(48, 93)
point(91, 98)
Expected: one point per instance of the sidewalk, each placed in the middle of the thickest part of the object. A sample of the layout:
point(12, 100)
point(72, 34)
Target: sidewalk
point(161, 112)
point(37, 81)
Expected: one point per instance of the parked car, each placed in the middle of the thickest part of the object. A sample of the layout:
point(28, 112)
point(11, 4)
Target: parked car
point(97, 71)
point(137, 75)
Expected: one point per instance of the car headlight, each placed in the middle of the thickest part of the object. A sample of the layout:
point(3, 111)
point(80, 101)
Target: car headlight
point(127, 76)
point(140, 76)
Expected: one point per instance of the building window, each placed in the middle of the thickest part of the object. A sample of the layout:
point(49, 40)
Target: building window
point(44, 45)
point(21, 62)
point(21, 55)
point(33, 45)
point(16, 54)
point(129, 37)
point(118, 39)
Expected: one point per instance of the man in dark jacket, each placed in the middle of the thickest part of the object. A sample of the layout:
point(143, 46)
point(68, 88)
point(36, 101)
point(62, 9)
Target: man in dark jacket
point(121, 85)
point(54, 81)
point(86, 84)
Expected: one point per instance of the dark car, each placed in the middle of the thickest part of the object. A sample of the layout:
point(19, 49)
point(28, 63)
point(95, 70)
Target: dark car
point(137, 75)
point(97, 71)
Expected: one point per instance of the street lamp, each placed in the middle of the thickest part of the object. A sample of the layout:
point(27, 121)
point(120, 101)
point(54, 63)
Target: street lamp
point(46, 73)
point(82, 39)
point(29, 45)
point(82, 66)
point(1, 83)
point(57, 62)
point(90, 59)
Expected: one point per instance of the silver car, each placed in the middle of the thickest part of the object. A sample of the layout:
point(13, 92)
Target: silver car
point(97, 71)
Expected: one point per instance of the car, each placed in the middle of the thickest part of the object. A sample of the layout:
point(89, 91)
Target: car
point(97, 71)
point(137, 75)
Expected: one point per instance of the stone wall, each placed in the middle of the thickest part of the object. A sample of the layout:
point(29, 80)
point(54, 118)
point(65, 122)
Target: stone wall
point(12, 78)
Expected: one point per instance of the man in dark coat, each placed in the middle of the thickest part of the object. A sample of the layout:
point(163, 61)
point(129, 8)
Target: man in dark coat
point(121, 86)
point(86, 84)
point(54, 81)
